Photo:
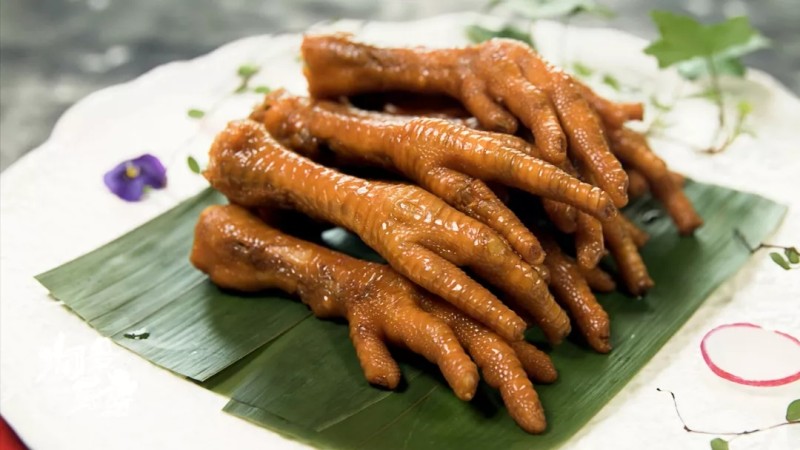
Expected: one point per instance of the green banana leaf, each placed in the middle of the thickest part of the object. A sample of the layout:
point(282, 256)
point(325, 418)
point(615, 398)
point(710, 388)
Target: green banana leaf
point(143, 283)
point(285, 370)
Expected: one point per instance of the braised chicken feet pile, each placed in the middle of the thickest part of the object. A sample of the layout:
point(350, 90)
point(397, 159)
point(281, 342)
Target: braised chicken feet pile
point(489, 225)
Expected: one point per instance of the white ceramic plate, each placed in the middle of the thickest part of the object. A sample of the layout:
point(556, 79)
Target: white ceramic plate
point(63, 386)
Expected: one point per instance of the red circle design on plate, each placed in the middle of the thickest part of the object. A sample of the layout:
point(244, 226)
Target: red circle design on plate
point(735, 378)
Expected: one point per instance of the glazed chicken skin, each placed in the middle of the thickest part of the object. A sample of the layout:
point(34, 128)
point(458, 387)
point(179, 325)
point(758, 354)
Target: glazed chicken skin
point(498, 81)
point(571, 288)
point(612, 114)
point(418, 234)
point(239, 251)
point(649, 172)
point(448, 159)
point(632, 149)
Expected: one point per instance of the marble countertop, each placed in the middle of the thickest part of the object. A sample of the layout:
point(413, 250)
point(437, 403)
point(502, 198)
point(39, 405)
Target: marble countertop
point(54, 52)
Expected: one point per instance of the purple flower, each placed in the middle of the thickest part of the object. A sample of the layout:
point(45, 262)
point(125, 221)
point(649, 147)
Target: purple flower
point(129, 179)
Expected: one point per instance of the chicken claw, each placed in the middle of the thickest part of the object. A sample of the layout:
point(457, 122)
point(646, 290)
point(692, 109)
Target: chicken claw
point(632, 149)
point(497, 81)
point(238, 251)
point(446, 158)
point(416, 232)
point(626, 254)
point(571, 289)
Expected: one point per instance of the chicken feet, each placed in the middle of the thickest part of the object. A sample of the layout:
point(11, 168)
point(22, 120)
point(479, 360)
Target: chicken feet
point(416, 232)
point(498, 81)
point(446, 158)
point(238, 251)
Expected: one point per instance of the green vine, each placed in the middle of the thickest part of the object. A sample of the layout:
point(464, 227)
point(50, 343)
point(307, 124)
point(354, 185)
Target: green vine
point(718, 443)
point(706, 53)
point(788, 260)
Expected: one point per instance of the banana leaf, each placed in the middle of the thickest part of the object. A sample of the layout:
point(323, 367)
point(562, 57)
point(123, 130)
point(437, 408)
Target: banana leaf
point(299, 376)
point(141, 291)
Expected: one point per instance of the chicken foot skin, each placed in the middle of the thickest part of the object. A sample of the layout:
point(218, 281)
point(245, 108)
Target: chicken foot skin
point(240, 252)
point(571, 288)
point(446, 158)
point(498, 81)
point(417, 233)
point(632, 149)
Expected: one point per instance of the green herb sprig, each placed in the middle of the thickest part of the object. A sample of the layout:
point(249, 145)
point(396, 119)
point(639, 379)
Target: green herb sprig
point(708, 52)
point(246, 72)
point(788, 260)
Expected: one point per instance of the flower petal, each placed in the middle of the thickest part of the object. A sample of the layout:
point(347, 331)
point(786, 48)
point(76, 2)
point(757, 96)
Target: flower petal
point(151, 170)
point(128, 189)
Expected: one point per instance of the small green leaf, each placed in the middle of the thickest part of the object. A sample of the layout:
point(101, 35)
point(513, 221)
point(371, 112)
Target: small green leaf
point(582, 70)
point(262, 90)
point(719, 444)
point(708, 94)
point(792, 255)
point(612, 82)
point(602, 11)
point(793, 411)
point(745, 108)
point(778, 259)
point(659, 124)
point(554, 9)
point(698, 68)
point(247, 70)
point(685, 40)
point(658, 105)
point(193, 165)
point(196, 113)
point(478, 34)
point(492, 4)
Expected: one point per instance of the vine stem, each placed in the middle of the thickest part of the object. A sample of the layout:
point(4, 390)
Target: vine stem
point(677, 95)
point(717, 93)
point(735, 434)
point(753, 249)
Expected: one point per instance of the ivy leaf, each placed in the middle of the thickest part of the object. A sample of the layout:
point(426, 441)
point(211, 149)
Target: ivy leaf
point(478, 34)
point(778, 259)
point(698, 68)
point(553, 9)
point(262, 90)
point(582, 70)
point(793, 411)
point(247, 70)
point(719, 444)
point(685, 40)
point(612, 82)
point(793, 256)
point(193, 165)
point(195, 113)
